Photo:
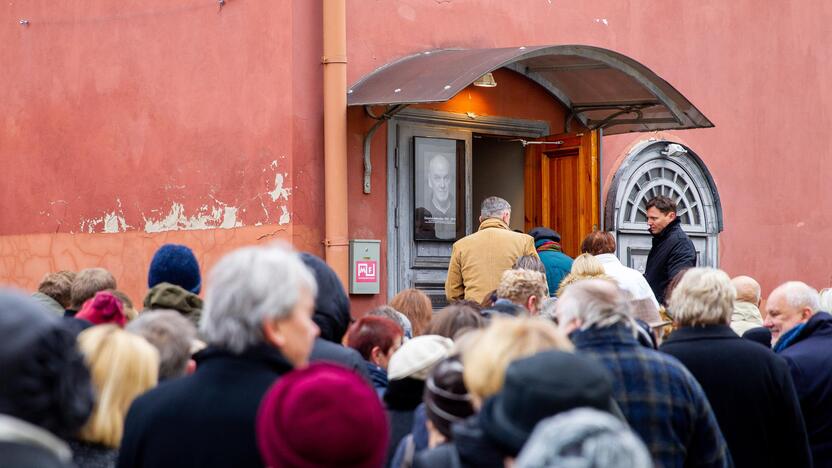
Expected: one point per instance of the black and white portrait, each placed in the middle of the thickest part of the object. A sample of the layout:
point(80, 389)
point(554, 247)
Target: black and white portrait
point(435, 187)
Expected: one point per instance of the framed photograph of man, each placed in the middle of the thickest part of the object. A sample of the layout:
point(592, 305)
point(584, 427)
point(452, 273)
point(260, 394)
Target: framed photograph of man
point(438, 196)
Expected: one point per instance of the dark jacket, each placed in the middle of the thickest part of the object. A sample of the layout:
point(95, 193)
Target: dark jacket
point(471, 448)
point(205, 419)
point(334, 353)
point(751, 392)
point(89, 455)
point(173, 297)
point(400, 400)
point(332, 306)
point(414, 442)
point(672, 252)
point(378, 377)
point(809, 357)
point(661, 400)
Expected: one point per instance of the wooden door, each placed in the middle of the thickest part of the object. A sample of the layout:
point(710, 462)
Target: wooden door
point(562, 186)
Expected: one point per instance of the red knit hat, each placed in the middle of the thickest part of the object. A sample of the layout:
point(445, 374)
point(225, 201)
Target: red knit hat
point(323, 415)
point(104, 307)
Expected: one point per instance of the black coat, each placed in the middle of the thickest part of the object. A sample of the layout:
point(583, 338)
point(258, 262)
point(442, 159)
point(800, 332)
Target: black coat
point(206, 419)
point(470, 448)
point(349, 358)
point(400, 400)
point(672, 252)
point(809, 356)
point(751, 392)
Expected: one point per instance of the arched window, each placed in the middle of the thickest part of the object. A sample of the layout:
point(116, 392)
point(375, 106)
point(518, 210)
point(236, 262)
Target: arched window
point(670, 169)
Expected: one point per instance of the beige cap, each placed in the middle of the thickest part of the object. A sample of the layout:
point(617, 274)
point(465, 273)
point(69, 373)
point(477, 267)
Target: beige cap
point(417, 356)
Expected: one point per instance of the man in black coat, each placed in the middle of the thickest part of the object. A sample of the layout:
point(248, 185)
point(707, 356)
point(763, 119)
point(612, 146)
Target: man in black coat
point(803, 337)
point(332, 315)
point(258, 325)
point(672, 250)
point(749, 387)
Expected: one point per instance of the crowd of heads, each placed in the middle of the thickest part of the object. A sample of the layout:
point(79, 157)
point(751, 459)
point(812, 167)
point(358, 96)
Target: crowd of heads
point(514, 370)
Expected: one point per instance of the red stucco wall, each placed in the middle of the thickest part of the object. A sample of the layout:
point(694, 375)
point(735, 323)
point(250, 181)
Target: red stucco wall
point(759, 73)
point(115, 112)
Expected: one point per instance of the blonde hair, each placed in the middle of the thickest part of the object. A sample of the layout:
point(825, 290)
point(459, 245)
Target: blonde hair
point(506, 339)
point(123, 366)
point(585, 266)
point(519, 285)
point(704, 296)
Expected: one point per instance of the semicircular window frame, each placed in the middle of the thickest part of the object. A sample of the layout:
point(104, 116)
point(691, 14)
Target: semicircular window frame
point(662, 177)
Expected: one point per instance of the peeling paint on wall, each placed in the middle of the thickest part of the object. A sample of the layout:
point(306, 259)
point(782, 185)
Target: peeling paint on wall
point(279, 191)
point(285, 218)
point(224, 217)
point(111, 222)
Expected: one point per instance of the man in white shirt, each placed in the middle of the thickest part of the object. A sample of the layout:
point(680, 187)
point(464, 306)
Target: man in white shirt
point(601, 244)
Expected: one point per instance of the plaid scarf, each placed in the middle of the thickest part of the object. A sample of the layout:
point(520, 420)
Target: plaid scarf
point(549, 245)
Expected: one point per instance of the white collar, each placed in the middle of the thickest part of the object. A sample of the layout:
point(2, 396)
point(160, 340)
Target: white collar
point(607, 258)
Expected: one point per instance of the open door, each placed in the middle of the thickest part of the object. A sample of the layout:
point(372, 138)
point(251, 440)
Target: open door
point(562, 186)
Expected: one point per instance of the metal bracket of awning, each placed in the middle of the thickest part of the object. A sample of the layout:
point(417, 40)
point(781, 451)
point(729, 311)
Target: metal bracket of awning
point(611, 120)
point(526, 143)
point(368, 138)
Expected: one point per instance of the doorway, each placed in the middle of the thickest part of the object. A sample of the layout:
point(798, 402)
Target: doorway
point(479, 159)
point(497, 170)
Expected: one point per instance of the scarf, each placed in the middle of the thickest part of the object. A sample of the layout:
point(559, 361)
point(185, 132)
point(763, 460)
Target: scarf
point(550, 246)
point(788, 338)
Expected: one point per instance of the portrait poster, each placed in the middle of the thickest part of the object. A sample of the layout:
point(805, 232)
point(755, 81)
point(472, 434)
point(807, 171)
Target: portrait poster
point(438, 196)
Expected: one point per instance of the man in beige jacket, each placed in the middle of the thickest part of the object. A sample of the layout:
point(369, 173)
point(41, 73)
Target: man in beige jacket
point(479, 260)
point(746, 307)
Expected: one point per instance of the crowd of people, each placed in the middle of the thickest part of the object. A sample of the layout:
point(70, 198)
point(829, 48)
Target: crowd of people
point(539, 360)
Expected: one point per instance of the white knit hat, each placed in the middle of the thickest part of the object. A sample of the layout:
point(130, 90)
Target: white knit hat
point(417, 356)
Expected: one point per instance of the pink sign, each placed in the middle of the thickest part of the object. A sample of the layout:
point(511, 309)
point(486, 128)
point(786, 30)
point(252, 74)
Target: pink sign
point(365, 271)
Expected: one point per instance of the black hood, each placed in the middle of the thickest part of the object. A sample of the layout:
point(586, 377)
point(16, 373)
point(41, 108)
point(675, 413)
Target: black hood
point(332, 306)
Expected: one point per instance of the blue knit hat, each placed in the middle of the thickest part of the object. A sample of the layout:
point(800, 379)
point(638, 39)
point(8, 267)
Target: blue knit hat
point(175, 264)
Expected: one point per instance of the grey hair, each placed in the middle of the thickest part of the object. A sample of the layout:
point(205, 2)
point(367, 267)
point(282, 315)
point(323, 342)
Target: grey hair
point(799, 295)
point(598, 303)
point(704, 296)
point(826, 299)
point(248, 286)
point(401, 319)
point(494, 207)
point(170, 333)
point(583, 438)
point(548, 308)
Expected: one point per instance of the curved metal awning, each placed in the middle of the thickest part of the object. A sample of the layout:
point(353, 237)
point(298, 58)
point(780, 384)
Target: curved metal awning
point(601, 88)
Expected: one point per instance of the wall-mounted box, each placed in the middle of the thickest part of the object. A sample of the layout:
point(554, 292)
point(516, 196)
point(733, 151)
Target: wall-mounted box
point(365, 268)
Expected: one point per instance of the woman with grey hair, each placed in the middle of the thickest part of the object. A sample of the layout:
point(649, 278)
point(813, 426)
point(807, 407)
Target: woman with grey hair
point(749, 388)
point(583, 438)
point(257, 323)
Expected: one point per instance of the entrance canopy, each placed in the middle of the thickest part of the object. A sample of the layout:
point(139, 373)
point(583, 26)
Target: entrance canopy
point(601, 88)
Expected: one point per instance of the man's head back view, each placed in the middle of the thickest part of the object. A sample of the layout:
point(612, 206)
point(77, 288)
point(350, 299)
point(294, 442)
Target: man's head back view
point(661, 211)
point(748, 289)
point(495, 207)
point(88, 282)
point(592, 303)
point(524, 287)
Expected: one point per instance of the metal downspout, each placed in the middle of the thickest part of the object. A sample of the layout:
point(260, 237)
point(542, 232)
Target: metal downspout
point(336, 240)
